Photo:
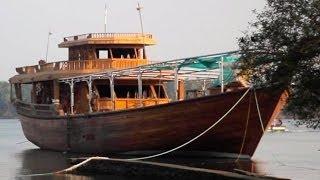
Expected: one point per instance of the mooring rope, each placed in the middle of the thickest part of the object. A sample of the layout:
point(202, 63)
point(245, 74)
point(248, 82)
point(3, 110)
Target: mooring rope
point(34, 175)
point(245, 130)
point(151, 156)
point(81, 164)
point(195, 138)
point(273, 155)
point(260, 120)
point(258, 109)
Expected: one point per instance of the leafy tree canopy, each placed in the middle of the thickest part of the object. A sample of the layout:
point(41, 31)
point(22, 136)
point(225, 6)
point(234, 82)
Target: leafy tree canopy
point(283, 47)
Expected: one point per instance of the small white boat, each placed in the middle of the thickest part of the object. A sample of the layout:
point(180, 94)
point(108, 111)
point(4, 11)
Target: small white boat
point(277, 129)
point(277, 126)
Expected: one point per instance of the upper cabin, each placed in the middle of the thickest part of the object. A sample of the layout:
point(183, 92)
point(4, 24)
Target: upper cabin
point(117, 46)
point(48, 94)
point(90, 53)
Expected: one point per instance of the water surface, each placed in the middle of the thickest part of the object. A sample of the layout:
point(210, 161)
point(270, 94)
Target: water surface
point(293, 154)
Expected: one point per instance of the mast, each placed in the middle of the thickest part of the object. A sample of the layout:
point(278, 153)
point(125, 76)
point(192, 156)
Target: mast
point(105, 18)
point(48, 40)
point(139, 8)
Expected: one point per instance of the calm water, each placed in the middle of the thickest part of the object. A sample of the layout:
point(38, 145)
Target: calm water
point(294, 154)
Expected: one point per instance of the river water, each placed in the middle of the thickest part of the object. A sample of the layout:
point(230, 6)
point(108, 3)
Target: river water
point(294, 154)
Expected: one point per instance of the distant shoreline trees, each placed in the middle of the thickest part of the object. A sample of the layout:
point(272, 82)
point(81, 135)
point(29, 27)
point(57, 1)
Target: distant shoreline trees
point(6, 109)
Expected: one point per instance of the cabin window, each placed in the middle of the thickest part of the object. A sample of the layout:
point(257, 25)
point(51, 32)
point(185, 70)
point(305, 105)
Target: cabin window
point(43, 92)
point(126, 91)
point(104, 91)
point(124, 53)
point(26, 92)
point(159, 91)
point(146, 92)
point(103, 54)
point(131, 91)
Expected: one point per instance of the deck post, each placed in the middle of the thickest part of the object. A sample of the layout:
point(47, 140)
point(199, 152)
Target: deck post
point(175, 85)
point(221, 75)
point(89, 82)
point(33, 95)
point(204, 87)
point(111, 79)
point(181, 89)
point(56, 90)
point(140, 87)
point(72, 96)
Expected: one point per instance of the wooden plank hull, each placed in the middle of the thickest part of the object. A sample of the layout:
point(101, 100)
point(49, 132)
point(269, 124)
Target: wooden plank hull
point(162, 127)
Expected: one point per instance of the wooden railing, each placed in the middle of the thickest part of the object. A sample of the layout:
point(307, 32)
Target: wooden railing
point(42, 110)
point(99, 64)
point(103, 104)
point(106, 35)
point(126, 103)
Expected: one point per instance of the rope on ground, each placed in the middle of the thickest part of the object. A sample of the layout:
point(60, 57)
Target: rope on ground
point(34, 175)
point(80, 164)
point(195, 138)
point(65, 170)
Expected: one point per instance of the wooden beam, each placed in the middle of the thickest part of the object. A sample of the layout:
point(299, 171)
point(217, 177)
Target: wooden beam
point(89, 82)
point(112, 91)
point(34, 93)
point(72, 97)
point(140, 87)
point(56, 90)
point(175, 85)
point(181, 89)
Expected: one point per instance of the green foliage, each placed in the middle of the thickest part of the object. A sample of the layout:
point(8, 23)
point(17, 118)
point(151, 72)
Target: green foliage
point(4, 98)
point(283, 48)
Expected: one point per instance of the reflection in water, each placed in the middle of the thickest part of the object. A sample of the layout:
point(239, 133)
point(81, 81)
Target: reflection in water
point(36, 161)
point(291, 155)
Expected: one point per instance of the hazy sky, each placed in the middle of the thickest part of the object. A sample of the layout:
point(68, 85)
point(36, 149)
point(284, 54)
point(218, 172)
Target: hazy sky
point(182, 28)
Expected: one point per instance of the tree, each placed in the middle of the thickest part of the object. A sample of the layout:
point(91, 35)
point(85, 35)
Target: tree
point(4, 97)
point(283, 48)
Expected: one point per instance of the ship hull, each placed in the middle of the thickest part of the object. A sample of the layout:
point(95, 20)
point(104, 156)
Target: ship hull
point(162, 127)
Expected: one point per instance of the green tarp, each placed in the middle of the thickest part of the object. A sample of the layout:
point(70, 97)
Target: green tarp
point(210, 63)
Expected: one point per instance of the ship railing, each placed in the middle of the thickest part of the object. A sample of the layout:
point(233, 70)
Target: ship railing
point(30, 109)
point(98, 64)
point(128, 103)
point(106, 35)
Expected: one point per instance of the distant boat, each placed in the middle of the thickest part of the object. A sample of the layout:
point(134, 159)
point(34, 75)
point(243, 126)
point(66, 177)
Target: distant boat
point(108, 98)
point(277, 126)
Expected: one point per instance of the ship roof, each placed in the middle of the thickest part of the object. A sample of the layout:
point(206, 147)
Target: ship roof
point(193, 68)
point(108, 39)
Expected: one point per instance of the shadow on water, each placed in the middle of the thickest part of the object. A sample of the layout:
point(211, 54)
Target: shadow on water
point(36, 161)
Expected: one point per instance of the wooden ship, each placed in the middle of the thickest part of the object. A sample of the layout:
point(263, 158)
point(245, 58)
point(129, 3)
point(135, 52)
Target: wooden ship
point(109, 99)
